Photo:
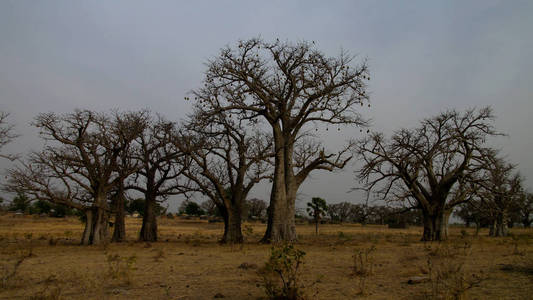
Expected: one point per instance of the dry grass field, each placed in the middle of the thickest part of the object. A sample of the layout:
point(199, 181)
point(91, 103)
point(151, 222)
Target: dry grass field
point(41, 259)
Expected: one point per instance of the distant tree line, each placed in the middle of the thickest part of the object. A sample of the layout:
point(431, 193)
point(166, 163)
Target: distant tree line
point(21, 203)
point(346, 212)
point(253, 209)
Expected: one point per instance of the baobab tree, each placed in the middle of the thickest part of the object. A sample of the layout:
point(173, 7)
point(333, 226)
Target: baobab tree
point(77, 167)
point(290, 87)
point(428, 165)
point(126, 127)
point(524, 208)
point(41, 176)
point(226, 160)
point(159, 172)
point(499, 188)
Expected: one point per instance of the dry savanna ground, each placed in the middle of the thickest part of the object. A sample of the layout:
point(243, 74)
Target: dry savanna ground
point(41, 259)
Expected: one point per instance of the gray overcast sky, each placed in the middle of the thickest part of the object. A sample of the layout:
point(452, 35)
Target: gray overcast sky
point(424, 56)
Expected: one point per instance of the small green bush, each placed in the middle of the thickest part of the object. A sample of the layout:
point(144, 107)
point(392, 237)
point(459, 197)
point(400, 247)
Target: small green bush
point(281, 274)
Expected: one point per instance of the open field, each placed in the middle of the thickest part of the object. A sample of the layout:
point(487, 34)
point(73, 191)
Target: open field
point(189, 264)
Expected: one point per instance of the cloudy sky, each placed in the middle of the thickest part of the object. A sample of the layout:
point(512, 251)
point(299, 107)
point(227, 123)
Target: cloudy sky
point(424, 57)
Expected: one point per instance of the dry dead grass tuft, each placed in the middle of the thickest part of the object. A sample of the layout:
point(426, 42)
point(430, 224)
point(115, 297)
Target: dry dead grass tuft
point(363, 267)
point(448, 274)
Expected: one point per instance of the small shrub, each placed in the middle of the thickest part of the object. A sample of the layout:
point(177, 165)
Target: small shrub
point(515, 243)
point(342, 238)
point(68, 234)
point(248, 230)
point(363, 266)
point(405, 240)
point(281, 275)
point(29, 237)
point(246, 266)
point(121, 267)
point(446, 270)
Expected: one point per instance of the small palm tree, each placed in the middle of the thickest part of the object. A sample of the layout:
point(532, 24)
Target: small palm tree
point(317, 208)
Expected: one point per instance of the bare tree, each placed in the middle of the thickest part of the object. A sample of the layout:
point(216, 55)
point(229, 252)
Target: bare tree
point(210, 207)
point(159, 173)
point(256, 208)
point(6, 134)
point(227, 160)
point(78, 167)
point(127, 127)
point(361, 213)
point(340, 212)
point(524, 208)
point(427, 164)
point(291, 87)
point(499, 188)
point(43, 176)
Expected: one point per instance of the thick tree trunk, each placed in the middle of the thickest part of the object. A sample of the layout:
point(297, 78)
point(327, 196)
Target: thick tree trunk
point(101, 223)
point(499, 227)
point(86, 237)
point(281, 224)
point(435, 225)
point(444, 223)
point(96, 226)
point(119, 232)
point(149, 226)
point(232, 227)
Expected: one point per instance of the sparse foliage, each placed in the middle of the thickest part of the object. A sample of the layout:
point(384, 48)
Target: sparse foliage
point(281, 275)
point(20, 202)
point(317, 208)
point(191, 208)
